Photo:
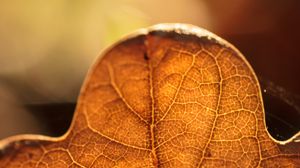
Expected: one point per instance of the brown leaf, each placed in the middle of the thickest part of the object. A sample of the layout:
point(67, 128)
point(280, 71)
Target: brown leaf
point(168, 96)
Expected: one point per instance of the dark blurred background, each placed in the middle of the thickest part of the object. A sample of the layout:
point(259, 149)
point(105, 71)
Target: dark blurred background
point(46, 48)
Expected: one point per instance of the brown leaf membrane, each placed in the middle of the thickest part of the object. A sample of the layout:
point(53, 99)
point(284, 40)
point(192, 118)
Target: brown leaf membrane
point(172, 95)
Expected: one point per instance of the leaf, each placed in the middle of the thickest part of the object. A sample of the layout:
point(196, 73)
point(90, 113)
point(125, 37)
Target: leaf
point(172, 95)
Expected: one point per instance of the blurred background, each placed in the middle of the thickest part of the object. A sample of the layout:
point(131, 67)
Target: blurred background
point(46, 48)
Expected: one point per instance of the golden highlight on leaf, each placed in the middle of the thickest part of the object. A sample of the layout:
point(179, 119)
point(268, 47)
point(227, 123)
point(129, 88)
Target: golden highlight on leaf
point(172, 95)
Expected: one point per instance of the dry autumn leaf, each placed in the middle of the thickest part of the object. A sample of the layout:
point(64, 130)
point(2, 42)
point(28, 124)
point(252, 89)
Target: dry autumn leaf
point(172, 95)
